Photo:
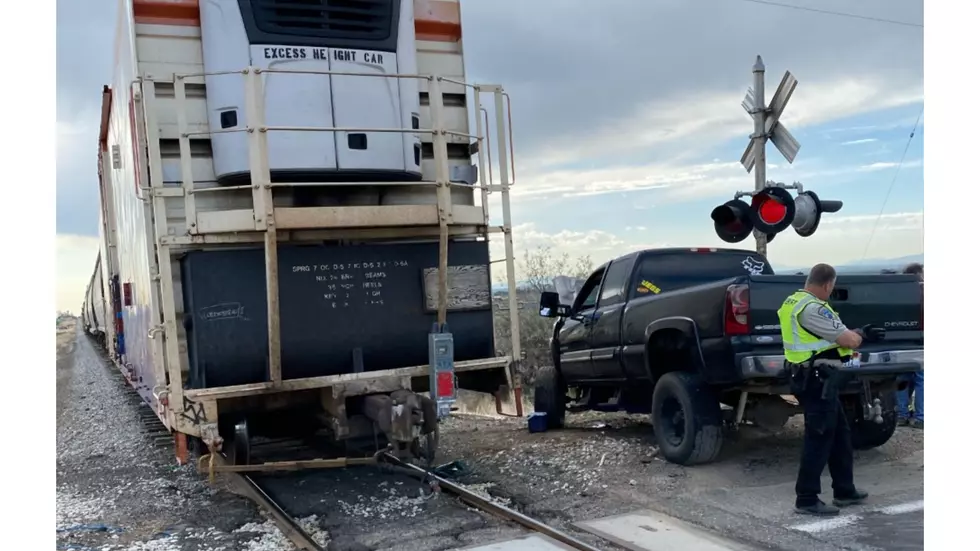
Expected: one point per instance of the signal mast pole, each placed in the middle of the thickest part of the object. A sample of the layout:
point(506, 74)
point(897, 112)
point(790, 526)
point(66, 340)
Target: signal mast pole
point(773, 208)
point(759, 95)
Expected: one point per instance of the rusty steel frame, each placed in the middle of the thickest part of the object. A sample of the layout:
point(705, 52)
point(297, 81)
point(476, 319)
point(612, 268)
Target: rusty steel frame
point(205, 466)
point(269, 224)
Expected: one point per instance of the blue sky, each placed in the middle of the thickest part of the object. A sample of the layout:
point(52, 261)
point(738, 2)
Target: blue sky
point(627, 122)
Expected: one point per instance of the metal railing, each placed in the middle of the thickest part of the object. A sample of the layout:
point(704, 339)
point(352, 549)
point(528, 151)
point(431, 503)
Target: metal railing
point(264, 212)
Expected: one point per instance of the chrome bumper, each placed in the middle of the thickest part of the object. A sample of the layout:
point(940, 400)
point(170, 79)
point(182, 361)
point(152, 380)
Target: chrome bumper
point(770, 366)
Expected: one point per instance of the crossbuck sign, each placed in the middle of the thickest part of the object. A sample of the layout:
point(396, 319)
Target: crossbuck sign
point(767, 127)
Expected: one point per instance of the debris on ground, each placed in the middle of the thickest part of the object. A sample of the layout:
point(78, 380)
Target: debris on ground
point(117, 492)
point(390, 505)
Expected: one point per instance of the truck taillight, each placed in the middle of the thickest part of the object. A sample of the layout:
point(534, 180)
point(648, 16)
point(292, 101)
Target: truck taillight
point(737, 310)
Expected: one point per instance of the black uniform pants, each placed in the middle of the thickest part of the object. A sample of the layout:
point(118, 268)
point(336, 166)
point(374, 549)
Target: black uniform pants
point(826, 442)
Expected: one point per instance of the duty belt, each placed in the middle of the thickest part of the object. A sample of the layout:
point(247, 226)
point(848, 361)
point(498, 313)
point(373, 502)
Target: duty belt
point(820, 368)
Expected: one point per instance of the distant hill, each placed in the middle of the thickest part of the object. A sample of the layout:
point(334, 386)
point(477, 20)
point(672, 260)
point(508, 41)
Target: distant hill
point(871, 265)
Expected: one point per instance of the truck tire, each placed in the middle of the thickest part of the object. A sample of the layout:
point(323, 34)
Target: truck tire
point(866, 435)
point(687, 420)
point(549, 396)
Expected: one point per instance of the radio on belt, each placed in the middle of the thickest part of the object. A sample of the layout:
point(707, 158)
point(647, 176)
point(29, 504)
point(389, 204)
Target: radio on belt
point(442, 378)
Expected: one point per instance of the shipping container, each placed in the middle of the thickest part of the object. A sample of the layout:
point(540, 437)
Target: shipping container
point(295, 216)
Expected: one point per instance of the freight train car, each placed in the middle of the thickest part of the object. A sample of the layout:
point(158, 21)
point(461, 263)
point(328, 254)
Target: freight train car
point(93, 308)
point(295, 218)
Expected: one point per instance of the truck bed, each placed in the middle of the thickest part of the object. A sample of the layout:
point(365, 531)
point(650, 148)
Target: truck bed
point(892, 302)
point(881, 300)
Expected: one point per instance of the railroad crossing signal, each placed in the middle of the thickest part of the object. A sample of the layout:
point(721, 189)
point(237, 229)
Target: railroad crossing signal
point(735, 219)
point(773, 208)
point(732, 222)
point(809, 207)
point(773, 129)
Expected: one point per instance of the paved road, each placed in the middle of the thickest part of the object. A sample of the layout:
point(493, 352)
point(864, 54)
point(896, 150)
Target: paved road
point(891, 520)
point(898, 527)
point(902, 532)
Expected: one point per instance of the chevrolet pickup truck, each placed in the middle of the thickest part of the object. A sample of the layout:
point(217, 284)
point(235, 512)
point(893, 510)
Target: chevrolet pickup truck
point(691, 336)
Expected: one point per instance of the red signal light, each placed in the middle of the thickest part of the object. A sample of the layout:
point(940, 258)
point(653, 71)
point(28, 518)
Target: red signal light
point(773, 209)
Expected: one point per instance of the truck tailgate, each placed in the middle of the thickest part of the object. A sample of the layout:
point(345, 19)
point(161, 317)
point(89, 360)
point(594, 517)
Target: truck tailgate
point(893, 302)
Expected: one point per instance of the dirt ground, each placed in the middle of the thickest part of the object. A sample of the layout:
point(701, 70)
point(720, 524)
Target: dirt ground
point(117, 492)
point(606, 464)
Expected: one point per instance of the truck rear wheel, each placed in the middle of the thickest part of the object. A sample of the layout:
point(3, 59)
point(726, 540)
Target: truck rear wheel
point(549, 396)
point(865, 434)
point(686, 418)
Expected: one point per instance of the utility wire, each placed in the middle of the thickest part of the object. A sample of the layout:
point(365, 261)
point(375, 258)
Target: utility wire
point(838, 13)
point(891, 185)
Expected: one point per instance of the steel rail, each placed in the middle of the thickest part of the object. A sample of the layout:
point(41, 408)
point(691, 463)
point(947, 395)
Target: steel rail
point(489, 506)
point(287, 525)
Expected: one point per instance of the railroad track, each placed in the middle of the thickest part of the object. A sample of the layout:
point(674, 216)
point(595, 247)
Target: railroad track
point(289, 527)
point(304, 541)
point(252, 488)
point(493, 508)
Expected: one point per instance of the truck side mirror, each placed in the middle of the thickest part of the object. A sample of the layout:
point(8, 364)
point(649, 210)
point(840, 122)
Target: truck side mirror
point(551, 307)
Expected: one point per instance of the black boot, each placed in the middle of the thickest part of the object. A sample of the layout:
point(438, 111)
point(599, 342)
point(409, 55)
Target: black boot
point(853, 499)
point(818, 509)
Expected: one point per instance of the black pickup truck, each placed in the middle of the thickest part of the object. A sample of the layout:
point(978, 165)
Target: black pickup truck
point(679, 333)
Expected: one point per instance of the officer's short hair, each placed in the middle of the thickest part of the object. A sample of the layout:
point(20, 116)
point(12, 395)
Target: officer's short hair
point(914, 268)
point(821, 274)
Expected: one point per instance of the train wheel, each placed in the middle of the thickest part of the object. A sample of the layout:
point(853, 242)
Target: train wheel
point(241, 445)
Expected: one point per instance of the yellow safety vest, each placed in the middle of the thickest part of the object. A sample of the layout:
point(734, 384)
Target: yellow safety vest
point(799, 345)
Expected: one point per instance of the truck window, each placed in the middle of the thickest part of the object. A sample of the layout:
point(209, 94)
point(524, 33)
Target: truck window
point(614, 287)
point(662, 273)
point(590, 291)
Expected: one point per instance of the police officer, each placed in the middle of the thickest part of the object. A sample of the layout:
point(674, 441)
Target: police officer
point(815, 342)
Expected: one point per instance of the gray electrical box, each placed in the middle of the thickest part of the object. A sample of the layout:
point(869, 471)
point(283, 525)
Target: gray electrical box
point(442, 377)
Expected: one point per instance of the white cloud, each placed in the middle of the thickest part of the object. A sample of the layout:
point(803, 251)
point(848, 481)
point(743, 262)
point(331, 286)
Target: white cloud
point(895, 221)
point(877, 166)
point(599, 245)
point(685, 120)
point(528, 236)
point(676, 182)
point(857, 142)
point(74, 260)
point(673, 128)
point(588, 182)
point(873, 167)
